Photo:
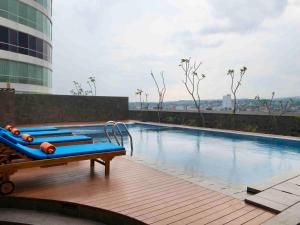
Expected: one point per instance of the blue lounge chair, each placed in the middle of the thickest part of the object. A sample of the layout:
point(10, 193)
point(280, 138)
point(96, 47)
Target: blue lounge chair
point(43, 133)
point(14, 156)
point(58, 141)
point(34, 129)
point(49, 133)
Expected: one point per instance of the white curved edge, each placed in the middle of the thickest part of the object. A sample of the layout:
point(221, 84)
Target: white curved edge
point(24, 58)
point(28, 88)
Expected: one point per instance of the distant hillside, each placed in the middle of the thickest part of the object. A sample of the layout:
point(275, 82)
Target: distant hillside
point(189, 102)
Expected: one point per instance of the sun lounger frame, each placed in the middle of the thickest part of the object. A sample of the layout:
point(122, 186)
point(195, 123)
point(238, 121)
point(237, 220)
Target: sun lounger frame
point(11, 161)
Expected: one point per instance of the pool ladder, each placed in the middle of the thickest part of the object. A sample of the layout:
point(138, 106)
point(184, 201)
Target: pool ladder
point(117, 131)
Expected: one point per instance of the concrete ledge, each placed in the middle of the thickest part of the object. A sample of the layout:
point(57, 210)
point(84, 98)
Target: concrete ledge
point(291, 216)
point(254, 189)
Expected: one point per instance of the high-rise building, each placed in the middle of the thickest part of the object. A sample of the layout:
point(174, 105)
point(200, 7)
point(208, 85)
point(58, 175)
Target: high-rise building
point(227, 102)
point(26, 45)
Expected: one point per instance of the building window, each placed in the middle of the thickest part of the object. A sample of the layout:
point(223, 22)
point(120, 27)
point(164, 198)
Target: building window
point(47, 4)
point(24, 73)
point(27, 15)
point(3, 38)
point(13, 40)
point(19, 42)
point(23, 43)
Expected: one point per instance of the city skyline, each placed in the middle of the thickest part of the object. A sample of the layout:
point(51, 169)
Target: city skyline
point(121, 42)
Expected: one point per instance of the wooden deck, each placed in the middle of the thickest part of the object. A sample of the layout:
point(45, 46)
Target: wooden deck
point(138, 191)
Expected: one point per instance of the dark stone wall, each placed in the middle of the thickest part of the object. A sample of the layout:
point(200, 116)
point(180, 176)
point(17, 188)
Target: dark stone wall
point(7, 108)
point(284, 125)
point(35, 109)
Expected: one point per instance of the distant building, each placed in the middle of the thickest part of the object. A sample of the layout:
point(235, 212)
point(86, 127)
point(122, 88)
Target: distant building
point(180, 107)
point(227, 102)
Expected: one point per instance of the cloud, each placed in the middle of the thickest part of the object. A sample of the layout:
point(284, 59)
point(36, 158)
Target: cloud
point(242, 15)
point(192, 40)
point(120, 42)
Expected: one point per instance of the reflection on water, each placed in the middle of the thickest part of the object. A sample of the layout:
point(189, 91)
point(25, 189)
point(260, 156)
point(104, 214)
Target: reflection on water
point(231, 157)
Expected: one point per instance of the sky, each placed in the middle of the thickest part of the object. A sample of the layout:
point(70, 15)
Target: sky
point(121, 41)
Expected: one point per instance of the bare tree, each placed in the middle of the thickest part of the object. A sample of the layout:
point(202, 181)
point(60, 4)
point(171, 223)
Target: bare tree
point(79, 90)
point(92, 83)
point(161, 93)
point(146, 101)
point(283, 108)
point(268, 103)
point(275, 112)
point(139, 92)
point(233, 87)
point(192, 81)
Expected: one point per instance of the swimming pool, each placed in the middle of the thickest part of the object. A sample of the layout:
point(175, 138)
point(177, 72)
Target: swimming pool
point(234, 158)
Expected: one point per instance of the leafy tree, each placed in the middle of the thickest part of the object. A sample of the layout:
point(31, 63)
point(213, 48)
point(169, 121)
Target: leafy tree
point(192, 81)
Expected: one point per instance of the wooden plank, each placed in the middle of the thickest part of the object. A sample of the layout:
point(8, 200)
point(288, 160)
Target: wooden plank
point(291, 216)
point(156, 195)
point(184, 208)
point(266, 203)
point(289, 188)
point(159, 197)
point(112, 200)
point(212, 213)
point(168, 204)
point(229, 217)
point(231, 212)
point(246, 217)
point(260, 219)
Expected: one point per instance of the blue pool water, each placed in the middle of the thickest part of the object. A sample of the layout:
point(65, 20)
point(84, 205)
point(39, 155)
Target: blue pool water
point(233, 158)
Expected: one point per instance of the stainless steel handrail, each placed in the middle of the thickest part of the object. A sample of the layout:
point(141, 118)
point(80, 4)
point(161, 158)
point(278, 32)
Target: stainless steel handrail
point(117, 125)
point(112, 123)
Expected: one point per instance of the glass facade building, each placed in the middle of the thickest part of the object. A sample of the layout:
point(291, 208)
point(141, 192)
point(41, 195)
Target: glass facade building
point(26, 45)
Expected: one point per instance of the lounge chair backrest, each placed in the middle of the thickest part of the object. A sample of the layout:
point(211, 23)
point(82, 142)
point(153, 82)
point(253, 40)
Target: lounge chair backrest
point(4, 138)
point(40, 133)
point(14, 139)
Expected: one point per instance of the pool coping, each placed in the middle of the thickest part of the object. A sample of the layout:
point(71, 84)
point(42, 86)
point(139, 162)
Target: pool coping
point(245, 133)
point(254, 134)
